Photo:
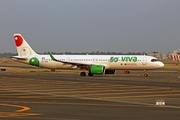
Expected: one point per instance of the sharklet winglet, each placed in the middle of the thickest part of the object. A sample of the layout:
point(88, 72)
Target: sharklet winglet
point(52, 57)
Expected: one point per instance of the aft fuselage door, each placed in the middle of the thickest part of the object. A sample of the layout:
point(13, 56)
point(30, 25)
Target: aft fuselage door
point(144, 61)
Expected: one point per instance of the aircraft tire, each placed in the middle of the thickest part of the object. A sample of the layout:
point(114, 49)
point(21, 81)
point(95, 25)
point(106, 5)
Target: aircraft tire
point(145, 75)
point(82, 74)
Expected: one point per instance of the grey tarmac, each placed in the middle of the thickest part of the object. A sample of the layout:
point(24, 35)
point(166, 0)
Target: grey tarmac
point(67, 96)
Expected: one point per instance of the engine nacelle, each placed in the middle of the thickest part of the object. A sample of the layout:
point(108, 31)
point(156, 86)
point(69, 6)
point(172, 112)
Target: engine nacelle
point(110, 71)
point(97, 69)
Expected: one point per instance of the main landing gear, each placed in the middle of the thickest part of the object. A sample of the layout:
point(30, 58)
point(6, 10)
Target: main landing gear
point(145, 73)
point(90, 74)
point(84, 74)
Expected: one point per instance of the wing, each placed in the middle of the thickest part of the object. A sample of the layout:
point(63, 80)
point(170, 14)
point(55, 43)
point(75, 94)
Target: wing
point(66, 62)
point(80, 65)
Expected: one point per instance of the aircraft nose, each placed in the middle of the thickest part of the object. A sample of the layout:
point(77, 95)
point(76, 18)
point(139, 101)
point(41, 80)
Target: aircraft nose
point(161, 64)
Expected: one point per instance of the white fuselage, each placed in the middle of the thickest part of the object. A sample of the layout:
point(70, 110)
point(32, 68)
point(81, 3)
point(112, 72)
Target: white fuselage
point(111, 62)
point(94, 64)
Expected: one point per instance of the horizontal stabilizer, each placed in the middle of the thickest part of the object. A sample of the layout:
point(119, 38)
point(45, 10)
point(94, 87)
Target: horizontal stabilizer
point(19, 58)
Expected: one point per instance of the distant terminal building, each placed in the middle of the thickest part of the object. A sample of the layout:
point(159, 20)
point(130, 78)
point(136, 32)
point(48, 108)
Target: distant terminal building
point(175, 55)
point(160, 56)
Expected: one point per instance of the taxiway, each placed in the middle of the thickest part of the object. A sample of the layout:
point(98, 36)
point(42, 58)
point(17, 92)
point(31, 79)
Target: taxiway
point(56, 96)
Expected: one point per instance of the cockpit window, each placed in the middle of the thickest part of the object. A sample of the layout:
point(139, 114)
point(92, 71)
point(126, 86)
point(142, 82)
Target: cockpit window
point(154, 60)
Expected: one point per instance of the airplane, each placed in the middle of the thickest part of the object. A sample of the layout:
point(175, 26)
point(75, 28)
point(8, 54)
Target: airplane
point(93, 64)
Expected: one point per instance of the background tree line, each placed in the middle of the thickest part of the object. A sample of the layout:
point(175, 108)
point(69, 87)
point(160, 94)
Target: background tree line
point(9, 54)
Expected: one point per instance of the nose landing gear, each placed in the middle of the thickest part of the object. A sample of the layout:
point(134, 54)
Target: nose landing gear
point(145, 73)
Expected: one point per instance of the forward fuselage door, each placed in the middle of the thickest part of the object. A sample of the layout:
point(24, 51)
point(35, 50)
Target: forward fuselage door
point(144, 61)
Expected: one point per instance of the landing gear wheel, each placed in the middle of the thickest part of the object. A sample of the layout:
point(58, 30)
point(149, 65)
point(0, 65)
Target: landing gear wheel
point(89, 74)
point(82, 74)
point(145, 75)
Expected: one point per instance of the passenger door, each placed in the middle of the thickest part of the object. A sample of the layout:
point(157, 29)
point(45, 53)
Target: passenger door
point(144, 61)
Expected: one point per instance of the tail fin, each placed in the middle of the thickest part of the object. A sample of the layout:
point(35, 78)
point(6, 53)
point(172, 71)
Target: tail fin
point(23, 48)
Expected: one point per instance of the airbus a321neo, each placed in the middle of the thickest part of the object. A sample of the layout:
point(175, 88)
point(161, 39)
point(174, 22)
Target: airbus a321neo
point(91, 64)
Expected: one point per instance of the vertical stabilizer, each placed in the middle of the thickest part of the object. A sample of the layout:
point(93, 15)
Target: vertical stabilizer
point(23, 48)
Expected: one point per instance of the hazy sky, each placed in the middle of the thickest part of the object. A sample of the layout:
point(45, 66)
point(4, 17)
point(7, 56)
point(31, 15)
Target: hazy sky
point(91, 25)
